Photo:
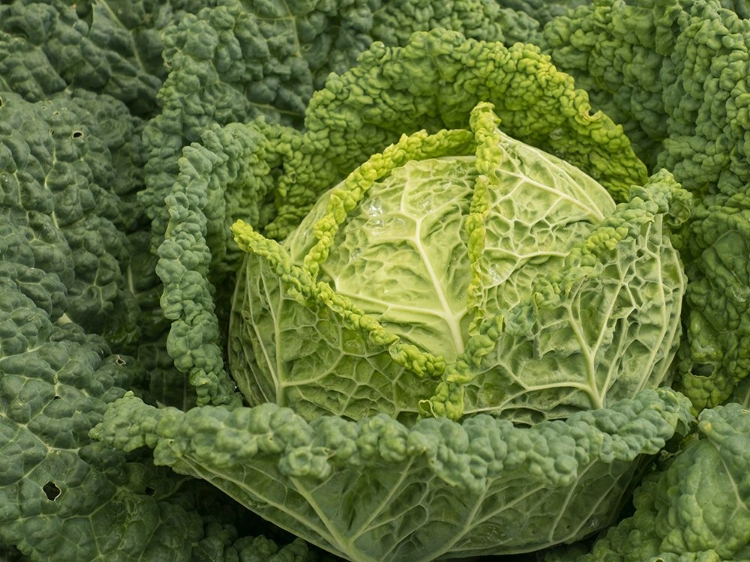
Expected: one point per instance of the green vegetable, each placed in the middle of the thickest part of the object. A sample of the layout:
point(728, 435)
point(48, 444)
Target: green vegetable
point(225, 177)
point(715, 355)
point(299, 311)
point(461, 273)
point(61, 190)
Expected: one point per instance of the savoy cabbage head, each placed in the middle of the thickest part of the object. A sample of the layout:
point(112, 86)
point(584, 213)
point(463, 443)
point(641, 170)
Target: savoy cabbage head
point(458, 273)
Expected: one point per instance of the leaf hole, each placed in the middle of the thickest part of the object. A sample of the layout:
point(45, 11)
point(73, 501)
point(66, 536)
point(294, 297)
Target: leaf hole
point(51, 490)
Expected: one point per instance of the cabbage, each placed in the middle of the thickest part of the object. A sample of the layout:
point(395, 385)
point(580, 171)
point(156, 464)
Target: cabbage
point(458, 273)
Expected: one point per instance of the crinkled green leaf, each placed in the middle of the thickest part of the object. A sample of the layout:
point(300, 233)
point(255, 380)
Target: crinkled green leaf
point(670, 73)
point(226, 177)
point(543, 11)
point(62, 496)
point(485, 20)
point(696, 509)
point(433, 83)
point(715, 355)
point(617, 52)
point(377, 490)
point(106, 47)
point(67, 183)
